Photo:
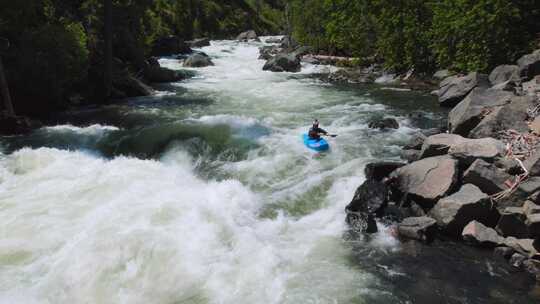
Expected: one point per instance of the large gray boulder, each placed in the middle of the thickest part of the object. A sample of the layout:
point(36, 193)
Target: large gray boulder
point(427, 180)
point(198, 61)
point(421, 228)
point(529, 65)
point(478, 234)
point(369, 199)
point(283, 63)
point(439, 144)
point(511, 116)
point(469, 150)
point(487, 177)
point(470, 111)
point(454, 212)
point(453, 89)
point(247, 35)
point(503, 73)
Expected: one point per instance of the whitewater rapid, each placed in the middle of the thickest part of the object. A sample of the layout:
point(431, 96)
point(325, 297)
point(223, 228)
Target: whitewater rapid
point(79, 225)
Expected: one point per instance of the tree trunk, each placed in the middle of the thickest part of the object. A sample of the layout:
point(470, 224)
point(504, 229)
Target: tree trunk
point(8, 106)
point(108, 48)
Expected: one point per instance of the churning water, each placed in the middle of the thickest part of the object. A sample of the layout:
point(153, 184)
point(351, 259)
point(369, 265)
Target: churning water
point(206, 194)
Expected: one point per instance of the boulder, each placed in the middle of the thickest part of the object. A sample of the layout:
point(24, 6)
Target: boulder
point(416, 141)
point(198, 43)
point(512, 223)
point(454, 212)
point(522, 246)
point(384, 123)
point(380, 170)
point(168, 46)
point(469, 150)
point(439, 144)
point(466, 115)
point(529, 65)
point(478, 234)
point(267, 52)
point(159, 74)
point(283, 63)
point(427, 180)
point(532, 164)
point(198, 60)
point(503, 73)
point(532, 87)
point(129, 86)
point(525, 189)
point(454, 88)
point(371, 197)
point(442, 74)
point(421, 228)
point(410, 155)
point(511, 116)
point(488, 178)
point(248, 35)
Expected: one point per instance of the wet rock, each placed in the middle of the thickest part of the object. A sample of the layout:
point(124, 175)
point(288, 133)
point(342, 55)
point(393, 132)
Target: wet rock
point(418, 228)
point(247, 35)
point(488, 178)
point(198, 60)
point(427, 180)
point(159, 74)
point(410, 155)
point(384, 123)
point(504, 252)
point(360, 222)
point(478, 234)
point(283, 63)
point(439, 144)
point(466, 115)
point(371, 197)
point(129, 86)
point(457, 210)
point(469, 150)
point(529, 65)
point(198, 43)
point(380, 170)
point(169, 46)
point(453, 89)
point(517, 260)
point(503, 73)
point(509, 117)
point(512, 223)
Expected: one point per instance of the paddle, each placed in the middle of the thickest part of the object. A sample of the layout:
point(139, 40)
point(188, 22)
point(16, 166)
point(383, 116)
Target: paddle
point(331, 135)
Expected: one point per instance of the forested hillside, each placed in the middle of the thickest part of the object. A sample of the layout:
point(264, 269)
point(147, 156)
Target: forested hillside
point(56, 53)
point(425, 35)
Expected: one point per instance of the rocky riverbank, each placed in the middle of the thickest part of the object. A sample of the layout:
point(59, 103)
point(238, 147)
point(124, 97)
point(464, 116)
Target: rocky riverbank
point(480, 181)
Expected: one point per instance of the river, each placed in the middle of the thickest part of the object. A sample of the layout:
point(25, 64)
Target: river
point(205, 193)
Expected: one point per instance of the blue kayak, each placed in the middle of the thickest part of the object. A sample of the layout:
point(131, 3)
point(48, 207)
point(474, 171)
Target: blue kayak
point(318, 145)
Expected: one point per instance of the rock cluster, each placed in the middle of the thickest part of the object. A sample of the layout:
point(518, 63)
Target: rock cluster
point(481, 181)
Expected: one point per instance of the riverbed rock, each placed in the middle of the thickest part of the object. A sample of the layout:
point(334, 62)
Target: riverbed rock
point(416, 141)
point(380, 170)
point(198, 43)
point(478, 234)
point(512, 223)
point(453, 89)
point(487, 177)
point(503, 73)
point(157, 74)
point(198, 60)
point(267, 52)
point(171, 45)
point(439, 144)
point(454, 212)
point(511, 116)
point(529, 65)
point(410, 155)
point(371, 197)
point(384, 123)
point(469, 150)
point(421, 228)
point(283, 63)
point(130, 86)
point(427, 180)
point(247, 35)
point(466, 115)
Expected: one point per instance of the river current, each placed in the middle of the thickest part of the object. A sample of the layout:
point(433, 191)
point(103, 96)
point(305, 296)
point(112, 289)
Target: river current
point(205, 193)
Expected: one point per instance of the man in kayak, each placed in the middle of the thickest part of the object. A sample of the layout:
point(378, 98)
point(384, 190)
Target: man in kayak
point(315, 132)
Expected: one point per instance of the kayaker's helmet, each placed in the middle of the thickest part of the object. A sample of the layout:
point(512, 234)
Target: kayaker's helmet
point(316, 123)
